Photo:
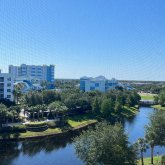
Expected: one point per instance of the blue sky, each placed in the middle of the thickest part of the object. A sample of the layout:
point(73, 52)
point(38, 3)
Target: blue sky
point(124, 39)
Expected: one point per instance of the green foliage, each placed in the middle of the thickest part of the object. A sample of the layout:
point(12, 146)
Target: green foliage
point(107, 107)
point(3, 114)
point(44, 97)
point(141, 146)
point(161, 98)
point(106, 144)
point(96, 106)
point(153, 87)
point(37, 124)
point(14, 129)
point(19, 128)
point(163, 159)
point(156, 128)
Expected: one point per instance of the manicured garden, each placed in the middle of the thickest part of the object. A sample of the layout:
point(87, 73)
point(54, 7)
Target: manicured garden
point(22, 131)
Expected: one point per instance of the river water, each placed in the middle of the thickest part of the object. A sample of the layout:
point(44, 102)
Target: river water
point(51, 151)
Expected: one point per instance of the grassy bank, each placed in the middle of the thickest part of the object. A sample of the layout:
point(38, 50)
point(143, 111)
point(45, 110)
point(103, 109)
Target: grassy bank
point(147, 161)
point(147, 96)
point(129, 112)
point(76, 121)
point(73, 123)
point(158, 107)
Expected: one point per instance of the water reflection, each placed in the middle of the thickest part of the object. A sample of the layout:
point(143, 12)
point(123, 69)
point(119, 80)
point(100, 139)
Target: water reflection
point(9, 151)
point(60, 151)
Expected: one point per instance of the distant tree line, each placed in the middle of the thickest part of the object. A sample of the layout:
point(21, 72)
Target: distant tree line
point(160, 98)
point(154, 88)
point(50, 103)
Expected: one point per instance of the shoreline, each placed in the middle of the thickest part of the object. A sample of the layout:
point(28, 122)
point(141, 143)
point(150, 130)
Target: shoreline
point(158, 107)
point(52, 134)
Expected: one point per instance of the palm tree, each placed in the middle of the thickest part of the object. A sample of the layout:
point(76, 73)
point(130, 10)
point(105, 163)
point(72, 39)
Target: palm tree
point(3, 114)
point(17, 92)
point(142, 147)
point(43, 108)
point(58, 108)
point(151, 136)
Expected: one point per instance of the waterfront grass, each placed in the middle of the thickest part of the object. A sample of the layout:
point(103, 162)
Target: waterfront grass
point(145, 96)
point(30, 134)
point(128, 112)
point(78, 120)
point(147, 161)
point(158, 107)
point(73, 122)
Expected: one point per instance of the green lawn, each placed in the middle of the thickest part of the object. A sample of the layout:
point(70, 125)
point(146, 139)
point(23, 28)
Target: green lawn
point(148, 160)
point(79, 120)
point(147, 96)
point(159, 107)
point(31, 134)
point(129, 111)
point(73, 122)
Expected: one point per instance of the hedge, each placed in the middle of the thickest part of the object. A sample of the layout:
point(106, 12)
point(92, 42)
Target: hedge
point(37, 124)
point(163, 159)
point(14, 129)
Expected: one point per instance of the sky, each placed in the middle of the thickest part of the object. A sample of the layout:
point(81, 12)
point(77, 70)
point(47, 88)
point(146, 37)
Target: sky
point(124, 39)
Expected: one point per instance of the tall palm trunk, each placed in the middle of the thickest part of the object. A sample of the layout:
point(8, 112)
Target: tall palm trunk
point(152, 154)
point(42, 114)
point(142, 161)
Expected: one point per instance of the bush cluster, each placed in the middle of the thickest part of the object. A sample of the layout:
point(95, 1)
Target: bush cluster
point(37, 124)
point(14, 129)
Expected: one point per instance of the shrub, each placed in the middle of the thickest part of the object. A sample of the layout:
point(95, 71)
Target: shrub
point(20, 128)
point(163, 159)
point(51, 124)
point(6, 129)
point(37, 124)
point(14, 129)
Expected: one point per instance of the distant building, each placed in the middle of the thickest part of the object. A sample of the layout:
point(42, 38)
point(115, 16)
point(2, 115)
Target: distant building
point(6, 86)
point(99, 83)
point(33, 73)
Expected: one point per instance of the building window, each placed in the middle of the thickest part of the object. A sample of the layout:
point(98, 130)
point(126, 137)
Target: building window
point(1, 96)
point(92, 88)
point(96, 84)
point(9, 85)
point(9, 79)
point(1, 79)
point(8, 90)
point(1, 85)
point(8, 96)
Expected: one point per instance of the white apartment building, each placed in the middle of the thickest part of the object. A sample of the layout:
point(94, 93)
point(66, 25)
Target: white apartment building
point(99, 83)
point(33, 72)
point(6, 86)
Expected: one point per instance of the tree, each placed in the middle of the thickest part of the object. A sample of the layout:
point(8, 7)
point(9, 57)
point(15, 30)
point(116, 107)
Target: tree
point(161, 97)
point(151, 138)
point(17, 92)
point(96, 106)
point(3, 114)
point(106, 144)
point(157, 127)
point(117, 107)
point(107, 107)
point(57, 108)
point(142, 147)
point(155, 131)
